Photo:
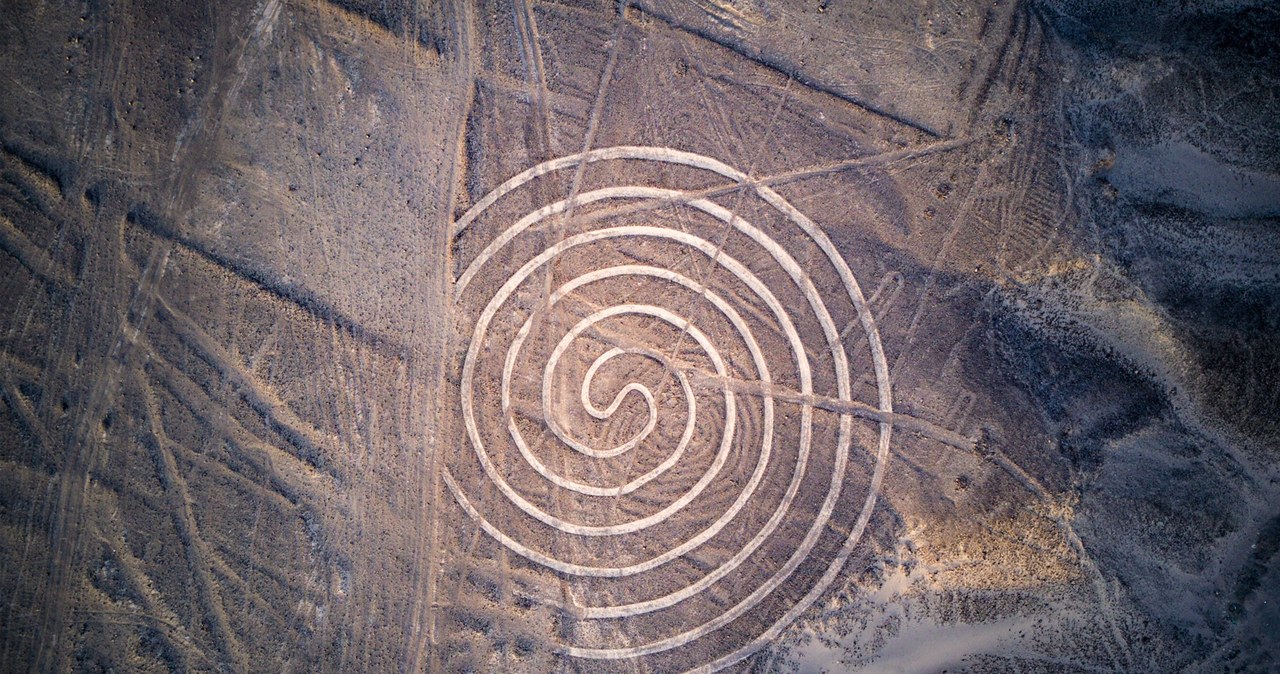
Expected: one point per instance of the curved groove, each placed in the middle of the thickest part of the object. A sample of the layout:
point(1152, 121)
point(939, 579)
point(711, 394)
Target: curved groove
point(813, 303)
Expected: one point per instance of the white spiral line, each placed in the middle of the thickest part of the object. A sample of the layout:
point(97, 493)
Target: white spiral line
point(798, 276)
point(635, 309)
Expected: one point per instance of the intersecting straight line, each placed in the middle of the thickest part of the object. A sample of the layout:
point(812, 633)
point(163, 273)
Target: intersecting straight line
point(703, 379)
point(588, 139)
point(773, 180)
point(776, 179)
point(702, 272)
point(779, 66)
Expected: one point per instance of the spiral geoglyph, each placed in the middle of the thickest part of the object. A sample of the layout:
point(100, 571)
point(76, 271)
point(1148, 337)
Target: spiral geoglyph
point(644, 361)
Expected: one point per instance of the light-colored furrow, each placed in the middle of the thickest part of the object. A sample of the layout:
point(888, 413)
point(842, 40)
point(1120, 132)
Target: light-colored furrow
point(479, 408)
point(32, 256)
point(315, 447)
point(295, 480)
point(199, 559)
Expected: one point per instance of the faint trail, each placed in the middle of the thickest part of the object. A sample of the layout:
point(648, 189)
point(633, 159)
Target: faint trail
point(286, 474)
point(266, 23)
point(173, 635)
point(229, 473)
point(287, 291)
point(740, 181)
point(123, 322)
point(67, 527)
point(958, 220)
point(21, 405)
point(1057, 513)
point(1002, 19)
point(978, 102)
point(155, 615)
point(787, 69)
point(40, 189)
point(313, 445)
point(729, 139)
point(424, 623)
point(805, 398)
point(224, 570)
point(535, 71)
point(906, 422)
point(588, 139)
point(32, 257)
point(198, 556)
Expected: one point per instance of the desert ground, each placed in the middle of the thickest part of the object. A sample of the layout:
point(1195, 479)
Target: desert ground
point(640, 336)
